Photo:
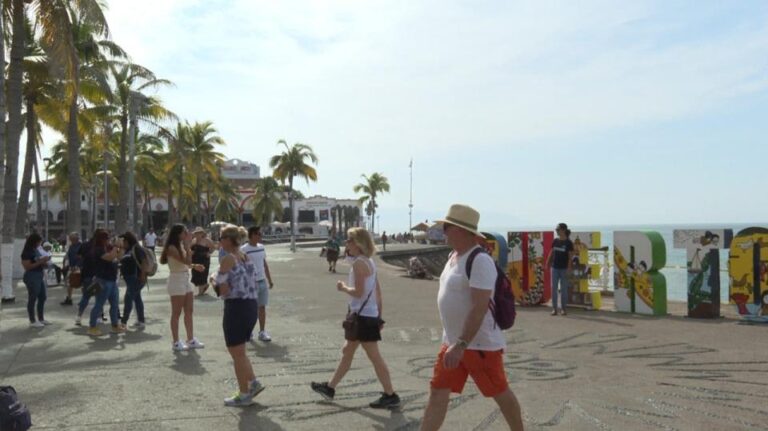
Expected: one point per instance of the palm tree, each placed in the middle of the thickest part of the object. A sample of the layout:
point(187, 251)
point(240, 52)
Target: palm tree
point(149, 171)
point(174, 162)
point(289, 164)
point(372, 186)
point(74, 33)
point(130, 80)
point(266, 201)
point(204, 160)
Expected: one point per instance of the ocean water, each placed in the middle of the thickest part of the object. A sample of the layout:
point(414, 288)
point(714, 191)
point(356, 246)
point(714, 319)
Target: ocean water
point(676, 268)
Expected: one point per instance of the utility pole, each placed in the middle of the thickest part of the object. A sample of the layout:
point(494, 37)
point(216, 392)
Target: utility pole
point(47, 162)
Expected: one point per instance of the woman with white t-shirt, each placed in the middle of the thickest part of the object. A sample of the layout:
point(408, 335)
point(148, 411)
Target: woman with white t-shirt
point(364, 293)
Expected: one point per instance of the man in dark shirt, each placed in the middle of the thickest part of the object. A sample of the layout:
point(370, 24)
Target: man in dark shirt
point(559, 261)
point(72, 263)
point(87, 262)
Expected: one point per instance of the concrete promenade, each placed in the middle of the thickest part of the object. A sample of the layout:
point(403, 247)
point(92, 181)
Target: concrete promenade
point(595, 370)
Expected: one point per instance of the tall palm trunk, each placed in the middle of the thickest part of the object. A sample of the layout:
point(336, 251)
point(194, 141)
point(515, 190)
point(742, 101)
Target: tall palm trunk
point(15, 124)
point(198, 191)
point(38, 194)
point(26, 176)
point(373, 214)
point(171, 215)
point(73, 158)
point(7, 285)
point(122, 209)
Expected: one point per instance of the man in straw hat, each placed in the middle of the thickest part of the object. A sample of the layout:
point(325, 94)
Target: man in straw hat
point(473, 345)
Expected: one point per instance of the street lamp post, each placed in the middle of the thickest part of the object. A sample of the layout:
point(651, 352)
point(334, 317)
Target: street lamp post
point(46, 162)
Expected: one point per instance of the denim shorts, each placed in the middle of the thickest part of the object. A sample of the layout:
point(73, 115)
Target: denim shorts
point(262, 293)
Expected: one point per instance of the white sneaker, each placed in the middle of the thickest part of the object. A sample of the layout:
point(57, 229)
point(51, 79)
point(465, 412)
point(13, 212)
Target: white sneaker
point(264, 336)
point(255, 388)
point(194, 343)
point(46, 322)
point(138, 325)
point(78, 321)
point(36, 325)
point(179, 346)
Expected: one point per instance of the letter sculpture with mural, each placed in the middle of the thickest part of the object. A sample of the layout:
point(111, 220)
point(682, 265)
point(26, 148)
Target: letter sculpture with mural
point(703, 265)
point(527, 270)
point(639, 287)
point(748, 267)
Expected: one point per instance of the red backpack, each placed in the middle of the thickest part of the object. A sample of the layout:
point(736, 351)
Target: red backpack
point(503, 303)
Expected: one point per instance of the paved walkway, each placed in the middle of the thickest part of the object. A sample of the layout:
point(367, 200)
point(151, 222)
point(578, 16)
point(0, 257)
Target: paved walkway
point(586, 371)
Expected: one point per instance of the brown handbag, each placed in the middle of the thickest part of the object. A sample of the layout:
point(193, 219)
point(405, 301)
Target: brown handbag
point(75, 279)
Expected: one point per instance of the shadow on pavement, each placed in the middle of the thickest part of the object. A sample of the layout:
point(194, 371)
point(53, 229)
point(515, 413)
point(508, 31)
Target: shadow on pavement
point(188, 363)
point(271, 350)
point(250, 420)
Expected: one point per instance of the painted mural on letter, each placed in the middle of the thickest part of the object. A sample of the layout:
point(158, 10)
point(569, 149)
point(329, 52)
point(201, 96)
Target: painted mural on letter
point(582, 271)
point(703, 262)
point(639, 287)
point(748, 268)
point(530, 279)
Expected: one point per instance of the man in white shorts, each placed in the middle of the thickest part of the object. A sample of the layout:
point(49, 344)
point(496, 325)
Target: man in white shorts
point(256, 252)
point(150, 240)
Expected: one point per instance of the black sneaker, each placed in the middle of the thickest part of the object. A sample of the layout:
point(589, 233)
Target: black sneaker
point(386, 402)
point(323, 389)
point(67, 301)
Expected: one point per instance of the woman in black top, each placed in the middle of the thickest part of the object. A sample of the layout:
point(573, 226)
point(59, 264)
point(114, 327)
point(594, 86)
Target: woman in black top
point(106, 257)
point(130, 268)
point(201, 254)
point(33, 263)
point(560, 260)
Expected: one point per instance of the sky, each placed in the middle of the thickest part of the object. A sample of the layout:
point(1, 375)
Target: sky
point(535, 112)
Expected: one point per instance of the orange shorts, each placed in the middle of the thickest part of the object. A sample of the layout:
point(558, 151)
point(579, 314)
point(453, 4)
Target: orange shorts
point(485, 367)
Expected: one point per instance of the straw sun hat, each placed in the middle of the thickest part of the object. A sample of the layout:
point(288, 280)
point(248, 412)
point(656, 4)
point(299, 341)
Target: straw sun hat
point(464, 217)
point(198, 230)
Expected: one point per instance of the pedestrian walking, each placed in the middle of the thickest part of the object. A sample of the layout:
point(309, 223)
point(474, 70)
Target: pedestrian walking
point(560, 261)
point(332, 249)
point(473, 345)
point(257, 254)
point(363, 323)
point(150, 240)
point(72, 266)
point(106, 257)
point(178, 256)
point(87, 271)
point(34, 263)
point(237, 284)
point(130, 269)
point(201, 254)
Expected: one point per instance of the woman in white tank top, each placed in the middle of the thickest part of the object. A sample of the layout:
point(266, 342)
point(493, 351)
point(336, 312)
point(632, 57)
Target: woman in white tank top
point(364, 293)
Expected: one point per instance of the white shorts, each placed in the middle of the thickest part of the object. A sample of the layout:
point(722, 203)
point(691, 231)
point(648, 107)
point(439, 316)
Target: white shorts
point(263, 293)
point(179, 284)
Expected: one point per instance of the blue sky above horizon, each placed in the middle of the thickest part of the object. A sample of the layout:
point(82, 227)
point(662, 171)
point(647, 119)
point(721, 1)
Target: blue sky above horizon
point(594, 113)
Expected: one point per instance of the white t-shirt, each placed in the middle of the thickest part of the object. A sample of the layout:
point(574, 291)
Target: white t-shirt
point(258, 255)
point(454, 300)
point(150, 239)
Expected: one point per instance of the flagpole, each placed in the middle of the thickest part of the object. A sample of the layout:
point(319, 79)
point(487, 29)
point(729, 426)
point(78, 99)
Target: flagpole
point(410, 204)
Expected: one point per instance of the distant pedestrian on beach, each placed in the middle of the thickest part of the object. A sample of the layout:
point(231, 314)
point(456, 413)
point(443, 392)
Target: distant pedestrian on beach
point(72, 266)
point(106, 257)
point(473, 345)
point(332, 249)
point(34, 264)
point(130, 268)
point(384, 240)
point(150, 240)
point(201, 247)
point(178, 256)
point(257, 254)
point(560, 260)
point(363, 323)
point(237, 284)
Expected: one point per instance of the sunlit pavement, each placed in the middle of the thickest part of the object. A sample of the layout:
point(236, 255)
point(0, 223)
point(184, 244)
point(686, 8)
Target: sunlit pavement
point(586, 371)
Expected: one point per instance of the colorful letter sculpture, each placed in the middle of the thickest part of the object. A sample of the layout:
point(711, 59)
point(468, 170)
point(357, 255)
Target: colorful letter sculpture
point(527, 271)
point(582, 272)
point(703, 258)
point(748, 267)
point(639, 287)
point(496, 246)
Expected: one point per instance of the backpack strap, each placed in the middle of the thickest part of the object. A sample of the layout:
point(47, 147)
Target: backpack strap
point(471, 259)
